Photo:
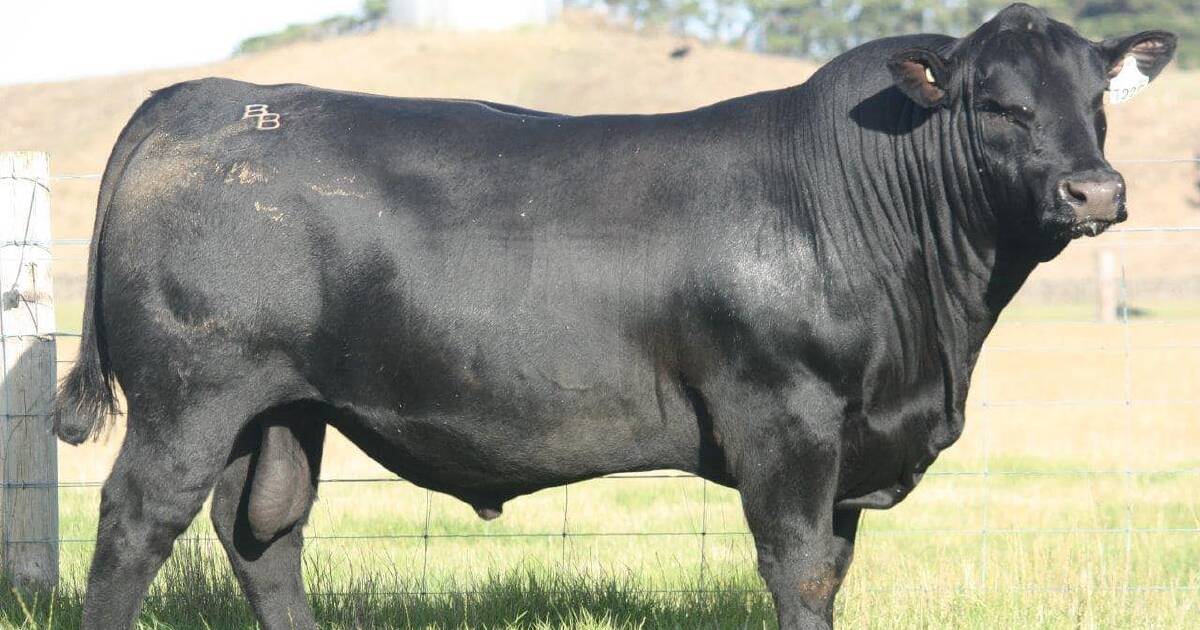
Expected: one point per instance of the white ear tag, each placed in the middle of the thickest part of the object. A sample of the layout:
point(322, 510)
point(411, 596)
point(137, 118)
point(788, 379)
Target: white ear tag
point(1128, 82)
point(929, 75)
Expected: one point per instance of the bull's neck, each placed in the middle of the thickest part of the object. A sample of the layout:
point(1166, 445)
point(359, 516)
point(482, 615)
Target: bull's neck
point(971, 277)
point(893, 197)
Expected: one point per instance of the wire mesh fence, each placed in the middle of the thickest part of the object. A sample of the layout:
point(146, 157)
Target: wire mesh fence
point(1120, 399)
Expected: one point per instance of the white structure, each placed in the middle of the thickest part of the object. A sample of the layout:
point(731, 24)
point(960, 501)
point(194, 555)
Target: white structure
point(473, 15)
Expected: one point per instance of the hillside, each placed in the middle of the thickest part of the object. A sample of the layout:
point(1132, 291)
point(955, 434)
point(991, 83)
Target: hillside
point(575, 67)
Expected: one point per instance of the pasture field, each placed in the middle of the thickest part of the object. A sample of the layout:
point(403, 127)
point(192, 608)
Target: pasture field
point(1070, 502)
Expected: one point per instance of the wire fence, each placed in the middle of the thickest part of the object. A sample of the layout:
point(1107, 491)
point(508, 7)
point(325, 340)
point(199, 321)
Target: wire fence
point(1122, 397)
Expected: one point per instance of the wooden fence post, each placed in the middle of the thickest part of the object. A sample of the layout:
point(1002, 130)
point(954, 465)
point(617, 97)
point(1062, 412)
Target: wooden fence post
point(28, 449)
point(1108, 301)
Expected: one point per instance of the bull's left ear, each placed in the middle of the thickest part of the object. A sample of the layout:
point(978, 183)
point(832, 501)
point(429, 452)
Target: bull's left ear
point(922, 75)
point(1152, 50)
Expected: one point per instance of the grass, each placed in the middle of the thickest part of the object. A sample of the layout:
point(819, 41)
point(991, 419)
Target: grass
point(530, 599)
point(1086, 312)
point(965, 551)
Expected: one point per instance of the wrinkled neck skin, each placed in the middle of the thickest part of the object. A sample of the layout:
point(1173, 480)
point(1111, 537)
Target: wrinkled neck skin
point(914, 207)
point(972, 268)
point(891, 200)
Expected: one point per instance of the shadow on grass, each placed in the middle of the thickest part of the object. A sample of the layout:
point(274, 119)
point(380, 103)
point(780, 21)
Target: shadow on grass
point(197, 591)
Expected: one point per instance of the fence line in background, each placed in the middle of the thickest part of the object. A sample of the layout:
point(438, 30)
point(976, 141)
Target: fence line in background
point(1165, 472)
point(28, 449)
point(565, 532)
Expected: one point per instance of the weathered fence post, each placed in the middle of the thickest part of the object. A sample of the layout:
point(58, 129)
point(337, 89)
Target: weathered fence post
point(1106, 287)
point(28, 450)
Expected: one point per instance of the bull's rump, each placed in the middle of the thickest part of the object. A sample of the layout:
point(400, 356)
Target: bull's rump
point(458, 279)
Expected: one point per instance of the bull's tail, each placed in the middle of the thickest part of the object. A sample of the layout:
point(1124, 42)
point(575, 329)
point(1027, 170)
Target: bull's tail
point(86, 398)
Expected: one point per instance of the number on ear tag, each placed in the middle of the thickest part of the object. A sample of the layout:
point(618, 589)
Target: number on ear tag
point(1128, 82)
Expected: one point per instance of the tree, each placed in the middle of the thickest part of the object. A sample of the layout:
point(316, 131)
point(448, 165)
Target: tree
point(374, 10)
point(1110, 18)
point(371, 14)
point(824, 28)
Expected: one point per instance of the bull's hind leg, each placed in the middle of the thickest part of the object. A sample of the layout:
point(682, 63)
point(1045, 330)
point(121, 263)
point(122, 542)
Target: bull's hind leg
point(168, 463)
point(267, 563)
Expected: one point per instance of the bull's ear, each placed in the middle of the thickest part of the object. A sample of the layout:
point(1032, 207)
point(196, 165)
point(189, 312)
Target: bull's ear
point(1152, 50)
point(921, 74)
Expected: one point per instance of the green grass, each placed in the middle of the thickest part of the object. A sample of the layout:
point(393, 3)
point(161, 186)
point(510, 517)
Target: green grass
point(1086, 311)
point(1048, 551)
point(197, 580)
point(68, 315)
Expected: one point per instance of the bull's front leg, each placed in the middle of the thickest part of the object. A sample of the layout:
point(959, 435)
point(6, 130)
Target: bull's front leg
point(803, 561)
point(788, 478)
point(803, 557)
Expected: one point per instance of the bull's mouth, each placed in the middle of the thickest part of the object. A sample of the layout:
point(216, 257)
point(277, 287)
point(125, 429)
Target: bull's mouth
point(1088, 227)
point(1067, 227)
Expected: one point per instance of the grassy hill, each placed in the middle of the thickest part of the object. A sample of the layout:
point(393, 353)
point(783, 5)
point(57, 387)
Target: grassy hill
point(576, 67)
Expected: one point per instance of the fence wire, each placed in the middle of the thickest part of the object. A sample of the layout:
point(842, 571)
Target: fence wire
point(986, 531)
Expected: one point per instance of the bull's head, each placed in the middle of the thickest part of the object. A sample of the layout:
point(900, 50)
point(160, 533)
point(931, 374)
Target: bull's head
point(1030, 92)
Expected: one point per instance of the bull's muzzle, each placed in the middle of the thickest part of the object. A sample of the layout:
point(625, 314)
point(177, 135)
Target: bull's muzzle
point(1095, 198)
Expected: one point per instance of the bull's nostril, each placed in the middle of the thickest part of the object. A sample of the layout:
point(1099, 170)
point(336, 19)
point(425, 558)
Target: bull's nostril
point(1092, 196)
point(1070, 193)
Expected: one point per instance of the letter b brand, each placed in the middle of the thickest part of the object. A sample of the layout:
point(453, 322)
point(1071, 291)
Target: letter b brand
point(265, 120)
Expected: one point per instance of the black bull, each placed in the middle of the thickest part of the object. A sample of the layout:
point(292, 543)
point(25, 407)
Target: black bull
point(784, 293)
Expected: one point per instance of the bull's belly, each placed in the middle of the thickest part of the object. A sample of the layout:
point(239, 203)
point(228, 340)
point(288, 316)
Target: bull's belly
point(486, 446)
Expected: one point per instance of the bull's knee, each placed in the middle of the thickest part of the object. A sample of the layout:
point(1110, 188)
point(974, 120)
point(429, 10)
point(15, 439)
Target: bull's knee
point(817, 589)
point(138, 527)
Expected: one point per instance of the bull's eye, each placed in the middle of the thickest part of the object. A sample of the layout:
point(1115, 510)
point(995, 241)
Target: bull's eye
point(1015, 115)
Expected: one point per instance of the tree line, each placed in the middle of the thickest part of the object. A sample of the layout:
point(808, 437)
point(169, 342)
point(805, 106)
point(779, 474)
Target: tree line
point(821, 29)
point(369, 15)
